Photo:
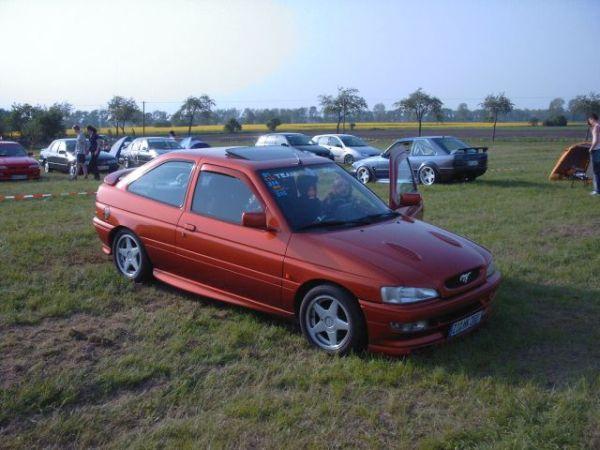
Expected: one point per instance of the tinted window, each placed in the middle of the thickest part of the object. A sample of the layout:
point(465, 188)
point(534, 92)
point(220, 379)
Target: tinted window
point(450, 144)
point(223, 197)
point(166, 183)
point(405, 181)
point(12, 150)
point(353, 141)
point(163, 144)
point(70, 146)
point(299, 139)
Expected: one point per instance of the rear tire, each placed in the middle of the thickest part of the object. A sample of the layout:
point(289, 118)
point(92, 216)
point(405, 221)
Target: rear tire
point(332, 320)
point(130, 258)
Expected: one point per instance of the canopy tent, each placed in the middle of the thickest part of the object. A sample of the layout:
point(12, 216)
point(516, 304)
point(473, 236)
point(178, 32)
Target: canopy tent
point(574, 160)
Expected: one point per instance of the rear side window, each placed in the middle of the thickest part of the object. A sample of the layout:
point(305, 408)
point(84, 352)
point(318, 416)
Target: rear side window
point(223, 197)
point(166, 183)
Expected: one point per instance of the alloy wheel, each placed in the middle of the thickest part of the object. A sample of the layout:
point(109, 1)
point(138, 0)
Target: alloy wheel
point(427, 175)
point(129, 256)
point(328, 322)
point(348, 159)
point(363, 175)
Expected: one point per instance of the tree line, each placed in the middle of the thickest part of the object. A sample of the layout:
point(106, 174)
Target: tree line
point(37, 124)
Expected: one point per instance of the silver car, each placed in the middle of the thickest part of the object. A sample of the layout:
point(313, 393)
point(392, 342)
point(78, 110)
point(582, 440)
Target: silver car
point(346, 148)
point(432, 159)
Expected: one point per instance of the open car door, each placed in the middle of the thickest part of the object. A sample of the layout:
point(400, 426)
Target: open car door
point(404, 196)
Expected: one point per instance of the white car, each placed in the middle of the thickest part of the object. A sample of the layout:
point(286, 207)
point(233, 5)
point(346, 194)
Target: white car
point(345, 147)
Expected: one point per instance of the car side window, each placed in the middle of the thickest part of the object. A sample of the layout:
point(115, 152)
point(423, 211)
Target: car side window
point(223, 197)
point(322, 140)
point(422, 147)
point(166, 183)
point(143, 145)
point(62, 146)
point(405, 181)
point(54, 146)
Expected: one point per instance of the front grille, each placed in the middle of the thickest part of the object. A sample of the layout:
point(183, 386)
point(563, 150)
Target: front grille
point(462, 279)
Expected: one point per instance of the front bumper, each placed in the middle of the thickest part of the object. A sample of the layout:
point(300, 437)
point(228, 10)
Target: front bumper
point(440, 314)
point(20, 174)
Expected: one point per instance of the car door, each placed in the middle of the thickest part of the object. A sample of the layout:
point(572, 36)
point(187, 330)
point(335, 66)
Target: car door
point(158, 196)
point(336, 147)
point(221, 253)
point(404, 196)
point(52, 154)
point(422, 151)
point(61, 157)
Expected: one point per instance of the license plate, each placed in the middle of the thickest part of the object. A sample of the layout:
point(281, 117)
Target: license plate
point(472, 163)
point(465, 324)
point(102, 167)
point(18, 177)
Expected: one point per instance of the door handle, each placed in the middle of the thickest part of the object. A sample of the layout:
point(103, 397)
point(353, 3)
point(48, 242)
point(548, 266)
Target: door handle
point(189, 227)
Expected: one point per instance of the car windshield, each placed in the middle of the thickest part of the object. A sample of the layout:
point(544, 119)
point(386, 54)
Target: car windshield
point(353, 141)
point(299, 139)
point(12, 149)
point(163, 144)
point(450, 144)
point(323, 197)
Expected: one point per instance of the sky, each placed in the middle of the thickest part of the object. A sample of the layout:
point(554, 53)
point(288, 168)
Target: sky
point(285, 53)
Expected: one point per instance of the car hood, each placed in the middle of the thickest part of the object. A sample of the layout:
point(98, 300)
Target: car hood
point(16, 160)
point(368, 150)
point(400, 252)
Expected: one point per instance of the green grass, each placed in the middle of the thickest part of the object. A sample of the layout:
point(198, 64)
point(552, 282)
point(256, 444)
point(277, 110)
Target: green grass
point(88, 359)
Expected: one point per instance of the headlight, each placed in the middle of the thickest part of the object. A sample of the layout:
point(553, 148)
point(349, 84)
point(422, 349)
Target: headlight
point(153, 153)
point(404, 295)
point(491, 269)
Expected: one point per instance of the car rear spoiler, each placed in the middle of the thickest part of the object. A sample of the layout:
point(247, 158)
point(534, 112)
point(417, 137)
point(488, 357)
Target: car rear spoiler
point(114, 177)
point(466, 149)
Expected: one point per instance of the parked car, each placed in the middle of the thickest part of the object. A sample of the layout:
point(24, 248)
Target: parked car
point(117, 148)
point(59, 155)
point(432, 158)
point(144, 149)
point(298, 141)
point(291, 234)
point(345, 147)
point(16, 163)
point(193, 142)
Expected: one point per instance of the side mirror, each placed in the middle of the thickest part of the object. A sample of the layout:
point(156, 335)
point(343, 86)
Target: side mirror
point(255, 220)
point(385, 155)
point(411, 199)
point(339, 145)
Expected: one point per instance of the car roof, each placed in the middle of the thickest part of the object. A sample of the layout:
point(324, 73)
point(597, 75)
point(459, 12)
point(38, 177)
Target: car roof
point(8, 142)
point(264, 157)
point(283, 134)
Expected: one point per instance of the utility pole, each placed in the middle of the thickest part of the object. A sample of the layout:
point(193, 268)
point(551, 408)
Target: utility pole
point(143, 118)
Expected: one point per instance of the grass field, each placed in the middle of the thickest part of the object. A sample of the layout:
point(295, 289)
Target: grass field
point(88, 359)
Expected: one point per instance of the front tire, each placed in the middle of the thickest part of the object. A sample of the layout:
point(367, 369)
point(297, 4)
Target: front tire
point(363, 175)
point(348, 159)
point(332, 321)
point(73, 171)
point(130, 257)
point(427, 175)
point(46, 167)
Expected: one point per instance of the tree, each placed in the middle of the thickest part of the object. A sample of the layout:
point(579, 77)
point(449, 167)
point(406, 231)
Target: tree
point(194, 107)
point(20, 114)
point(556, 121)
point(496, 105)
point(420, 104)
point(585, 105)
point(273, 123)
point(43, 124)
point(534, 121)
point(122, 110)
point(346, 103)
point(463, 113)
point(232, 126)
point(379, 112)
point(556, 107)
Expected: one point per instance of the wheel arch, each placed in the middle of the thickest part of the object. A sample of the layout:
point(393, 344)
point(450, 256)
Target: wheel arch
point(308, 285)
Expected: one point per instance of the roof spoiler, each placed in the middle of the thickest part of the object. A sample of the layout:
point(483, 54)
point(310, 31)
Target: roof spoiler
point(113, 178)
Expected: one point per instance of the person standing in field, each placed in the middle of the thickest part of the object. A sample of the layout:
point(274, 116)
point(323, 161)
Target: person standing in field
point(595, 151)
point(172, 135)
point(94, 151)
point(80, 152)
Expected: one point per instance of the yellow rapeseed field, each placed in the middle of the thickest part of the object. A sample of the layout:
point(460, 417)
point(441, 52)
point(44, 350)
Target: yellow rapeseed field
point(307, 127)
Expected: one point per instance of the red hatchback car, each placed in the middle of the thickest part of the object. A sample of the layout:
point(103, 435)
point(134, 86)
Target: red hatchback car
point(16, 164)
point(293, 234)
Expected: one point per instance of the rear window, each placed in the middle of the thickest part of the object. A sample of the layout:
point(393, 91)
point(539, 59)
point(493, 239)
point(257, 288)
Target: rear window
point(163, 144)
point(12, 149)
point(450, 144)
